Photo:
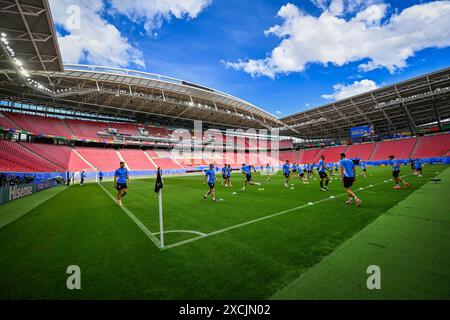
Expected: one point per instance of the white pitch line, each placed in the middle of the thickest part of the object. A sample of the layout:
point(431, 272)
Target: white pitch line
point(257, 220)
point(182, 231)
point(144, 229)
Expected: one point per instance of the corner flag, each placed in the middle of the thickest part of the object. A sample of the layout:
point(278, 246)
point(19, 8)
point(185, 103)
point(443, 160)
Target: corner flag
point(159, 181)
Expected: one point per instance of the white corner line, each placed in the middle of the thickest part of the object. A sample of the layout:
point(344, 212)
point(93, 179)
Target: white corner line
point(144, 229)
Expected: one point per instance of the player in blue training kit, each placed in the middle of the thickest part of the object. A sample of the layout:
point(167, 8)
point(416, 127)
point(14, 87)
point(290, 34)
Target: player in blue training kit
point(364, 169)
point(247, 170)
point(120, 182)
point(301, 174)
point(100, 176)
point(269, 171)
point(396, 173)
point(210, 178)
point(323, 174)
point(419, 167)
point(224, 175)
point(229, 176)
point(287, 173)
point(348, 176)
point(82, 177)
point(294, 170)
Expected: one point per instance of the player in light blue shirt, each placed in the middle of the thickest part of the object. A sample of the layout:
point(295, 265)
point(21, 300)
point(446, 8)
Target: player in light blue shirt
point(247, 171)
point(419, 168)
point(364, 169)
point(294, 170)
point(229, 176)
point(348, 176)
point(120, 182)
point(224, 175)
point(210, 178)
point(287, 173)
point(323, 174)
point(269, 171)
point(396, 173)
point(82, 177)
point(301, 174)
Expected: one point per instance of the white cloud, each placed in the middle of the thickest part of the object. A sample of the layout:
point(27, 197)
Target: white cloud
point(99, 42)
point(152, 13)
point(370, 34)
point(89, 37)
point(278, 112)
point(342, 91)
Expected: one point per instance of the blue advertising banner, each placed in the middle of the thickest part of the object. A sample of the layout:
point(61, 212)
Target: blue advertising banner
point(11, 193)
point(361, 131)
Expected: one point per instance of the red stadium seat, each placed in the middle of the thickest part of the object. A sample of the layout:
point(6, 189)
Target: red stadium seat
point(63, 156)
point(104, 159)
point(6, 123)
point(136, 159)
point(362, 151)
point(401, 149)
point(15, 157)
point(332, 154)
point(432, 146)
point(309, 156)
point(166, 163)
point(40, 125)
point(87, 130)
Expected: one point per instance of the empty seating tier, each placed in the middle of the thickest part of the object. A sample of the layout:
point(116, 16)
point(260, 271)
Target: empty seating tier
point(40, 125)
point(432, 146)
point(6, 123)
point(103, 159)
point(136, 159)
point(332, 154)
point(401, 149)
point(360, 151)
point(15, 157)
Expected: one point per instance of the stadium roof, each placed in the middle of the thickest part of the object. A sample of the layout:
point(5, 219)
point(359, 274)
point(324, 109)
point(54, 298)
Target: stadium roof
point(402, 107)
point(30, 30)
point(31, 38)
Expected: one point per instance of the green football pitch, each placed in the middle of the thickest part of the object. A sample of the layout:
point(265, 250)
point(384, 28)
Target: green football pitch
point(247, 245)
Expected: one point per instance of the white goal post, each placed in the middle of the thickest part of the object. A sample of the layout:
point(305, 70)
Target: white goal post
point(91, 176)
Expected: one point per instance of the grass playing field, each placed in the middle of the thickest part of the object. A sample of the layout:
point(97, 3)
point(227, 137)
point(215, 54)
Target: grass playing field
point(248, 245)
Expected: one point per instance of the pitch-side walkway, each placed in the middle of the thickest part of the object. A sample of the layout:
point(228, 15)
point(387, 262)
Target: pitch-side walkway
point(410, 243)
point(13, 210)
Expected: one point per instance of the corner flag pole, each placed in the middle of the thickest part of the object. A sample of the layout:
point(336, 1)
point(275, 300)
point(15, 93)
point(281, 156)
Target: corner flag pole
point(158, 189)
point(161, 225)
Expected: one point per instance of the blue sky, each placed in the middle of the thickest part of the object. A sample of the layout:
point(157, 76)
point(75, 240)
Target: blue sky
point(223, 44)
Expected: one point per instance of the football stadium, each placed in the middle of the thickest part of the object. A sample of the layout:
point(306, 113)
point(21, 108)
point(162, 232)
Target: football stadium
point(127, 184)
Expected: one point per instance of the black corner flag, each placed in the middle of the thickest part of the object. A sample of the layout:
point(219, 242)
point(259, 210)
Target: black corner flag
point(159, 181)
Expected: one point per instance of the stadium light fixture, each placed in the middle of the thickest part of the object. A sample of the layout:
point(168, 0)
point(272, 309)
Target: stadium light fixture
point(25, 73)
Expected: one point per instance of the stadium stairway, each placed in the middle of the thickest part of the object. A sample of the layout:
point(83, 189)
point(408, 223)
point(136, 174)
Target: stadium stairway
point(416, 146)
point(150, 158)
point(83, 158)
point(119, 155)
point(374, 151)
point(69, 129)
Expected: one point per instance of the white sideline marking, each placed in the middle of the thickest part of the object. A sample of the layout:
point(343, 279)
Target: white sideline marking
point(135, 220)
point(257, 220)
